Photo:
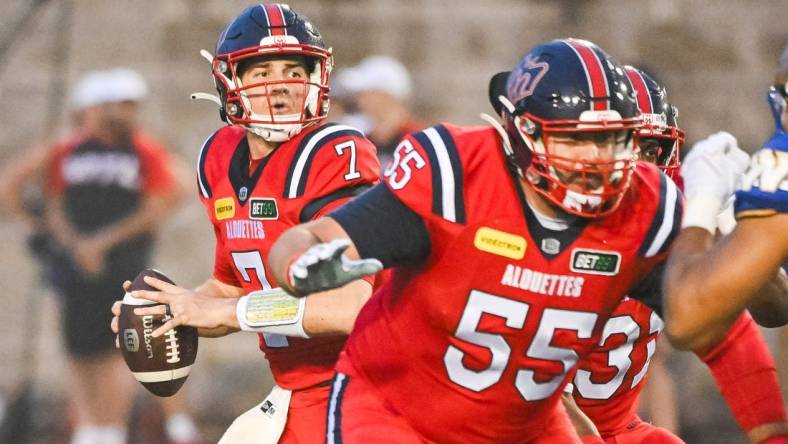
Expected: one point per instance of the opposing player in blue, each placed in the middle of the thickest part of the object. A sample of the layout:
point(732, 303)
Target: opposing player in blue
point(708, 284)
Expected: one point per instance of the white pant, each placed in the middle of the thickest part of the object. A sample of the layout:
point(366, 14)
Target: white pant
point(263, 423)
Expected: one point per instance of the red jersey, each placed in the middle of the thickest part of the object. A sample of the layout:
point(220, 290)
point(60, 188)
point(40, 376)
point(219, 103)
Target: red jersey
point(609, 379)
point(303, 178)
point(489, 326)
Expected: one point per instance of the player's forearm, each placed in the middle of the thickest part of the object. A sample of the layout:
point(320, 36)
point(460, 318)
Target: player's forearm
point(225, 311)
point(214, 288)
point(706, 286)
point(694, 310)
point(769, 306)
point(334, 312)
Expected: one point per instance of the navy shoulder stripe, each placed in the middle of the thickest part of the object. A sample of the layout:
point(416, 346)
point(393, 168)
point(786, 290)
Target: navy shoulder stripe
point(205, 187)
point(447, 178)
point(298, 173)
point(667, 220)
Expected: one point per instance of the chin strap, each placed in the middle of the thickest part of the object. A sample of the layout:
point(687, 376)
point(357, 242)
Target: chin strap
point(507, 146)
point(496, 124)
point(206, 96)
point(207, 55)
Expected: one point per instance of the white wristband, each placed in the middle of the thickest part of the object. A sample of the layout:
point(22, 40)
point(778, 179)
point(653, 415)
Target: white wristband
point(272, 311)
point(701, 211)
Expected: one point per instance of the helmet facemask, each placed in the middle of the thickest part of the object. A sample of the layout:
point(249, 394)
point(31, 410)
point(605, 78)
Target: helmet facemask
point(236, 97)
point(587, 185)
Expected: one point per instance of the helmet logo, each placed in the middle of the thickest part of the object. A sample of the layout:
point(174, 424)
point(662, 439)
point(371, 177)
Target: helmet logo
point(279, 40)
point(524, 79)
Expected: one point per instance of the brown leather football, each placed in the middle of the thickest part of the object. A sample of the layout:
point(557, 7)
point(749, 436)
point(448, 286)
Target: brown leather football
point(161, 364)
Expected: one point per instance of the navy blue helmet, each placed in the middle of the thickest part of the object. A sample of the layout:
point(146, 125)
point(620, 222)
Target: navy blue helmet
point(271, 31)
point(660, 138)
point(570, 88)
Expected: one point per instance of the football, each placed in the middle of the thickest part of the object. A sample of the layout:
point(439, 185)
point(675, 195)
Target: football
point(160, 364)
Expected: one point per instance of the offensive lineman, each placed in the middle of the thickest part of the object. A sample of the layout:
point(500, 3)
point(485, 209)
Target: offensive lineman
point(510, 247)
point(609, 380)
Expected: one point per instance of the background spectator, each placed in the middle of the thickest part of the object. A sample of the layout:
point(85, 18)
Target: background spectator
point(381, 88)
point(98, 196)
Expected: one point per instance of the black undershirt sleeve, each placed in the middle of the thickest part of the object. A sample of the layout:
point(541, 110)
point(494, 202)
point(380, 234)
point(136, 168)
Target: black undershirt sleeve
point(311, 209)
point(382, 227)
point(649, 290)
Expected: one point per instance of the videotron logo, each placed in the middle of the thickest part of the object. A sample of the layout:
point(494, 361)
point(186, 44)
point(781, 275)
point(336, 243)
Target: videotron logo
point(224, 208)
point(500, 243)
point(595, 262)
point(263, 208)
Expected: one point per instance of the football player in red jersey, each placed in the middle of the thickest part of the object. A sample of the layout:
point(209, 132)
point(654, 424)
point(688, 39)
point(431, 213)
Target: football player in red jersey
point(708, 284)
point(277, 165)
point(510, 249)
point(609, 380)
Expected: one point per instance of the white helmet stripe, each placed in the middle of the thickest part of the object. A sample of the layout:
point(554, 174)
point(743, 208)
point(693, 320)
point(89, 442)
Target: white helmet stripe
point(267, 19)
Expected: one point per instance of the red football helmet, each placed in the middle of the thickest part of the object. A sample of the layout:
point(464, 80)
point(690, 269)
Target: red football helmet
point(562, 98)
point(660, 138)
point(277, 31)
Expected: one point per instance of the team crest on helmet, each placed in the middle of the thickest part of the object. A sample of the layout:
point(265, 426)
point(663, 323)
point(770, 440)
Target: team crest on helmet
point(525, 78)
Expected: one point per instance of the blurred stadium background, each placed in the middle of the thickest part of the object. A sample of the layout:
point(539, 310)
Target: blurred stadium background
point(716, 58)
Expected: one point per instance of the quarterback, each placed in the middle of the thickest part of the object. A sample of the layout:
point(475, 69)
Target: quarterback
point(276, 165)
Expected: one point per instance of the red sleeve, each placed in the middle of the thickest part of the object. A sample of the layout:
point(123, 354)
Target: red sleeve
point(746, 375)
point(155, 166)
point(426, 173)
point(344, 162)
point(409, 177)
point(55, 182)
point(223, 269)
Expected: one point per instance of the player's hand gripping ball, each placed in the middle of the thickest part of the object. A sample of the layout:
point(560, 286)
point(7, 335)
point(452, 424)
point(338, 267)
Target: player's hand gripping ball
point(161, 364)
